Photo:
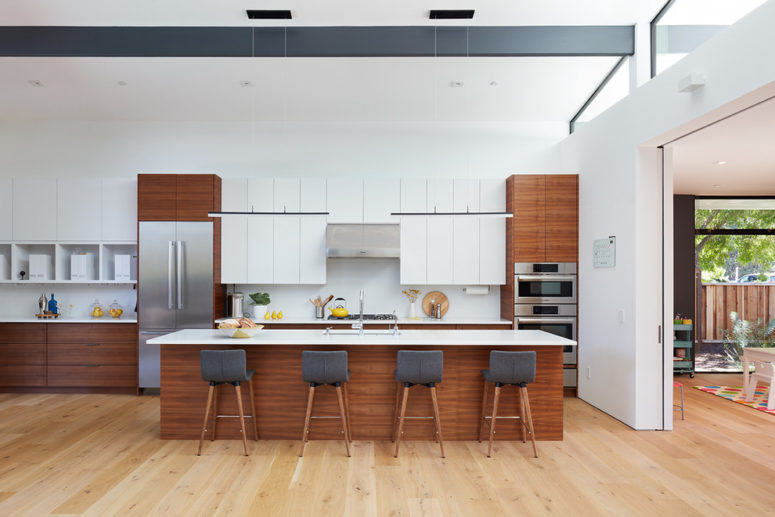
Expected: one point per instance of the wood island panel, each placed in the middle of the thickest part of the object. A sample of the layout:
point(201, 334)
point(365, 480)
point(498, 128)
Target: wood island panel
point(281, 394)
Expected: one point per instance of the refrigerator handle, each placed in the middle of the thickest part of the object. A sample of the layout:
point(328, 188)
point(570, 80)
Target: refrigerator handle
point(180, 274)
point(170, 278)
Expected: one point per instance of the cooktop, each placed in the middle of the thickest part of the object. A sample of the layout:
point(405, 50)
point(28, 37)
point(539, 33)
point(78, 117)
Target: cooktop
point(379, 317)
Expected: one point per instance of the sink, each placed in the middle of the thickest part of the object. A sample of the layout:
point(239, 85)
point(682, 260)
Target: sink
point(355, 333)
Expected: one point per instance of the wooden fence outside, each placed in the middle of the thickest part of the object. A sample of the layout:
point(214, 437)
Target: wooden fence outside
point(751, 302)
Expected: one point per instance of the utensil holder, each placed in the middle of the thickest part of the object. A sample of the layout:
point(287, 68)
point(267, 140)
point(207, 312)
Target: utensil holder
point(318, 313)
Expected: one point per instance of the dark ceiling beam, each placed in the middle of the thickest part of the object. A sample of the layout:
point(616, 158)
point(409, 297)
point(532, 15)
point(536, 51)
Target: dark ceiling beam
point(475, 41)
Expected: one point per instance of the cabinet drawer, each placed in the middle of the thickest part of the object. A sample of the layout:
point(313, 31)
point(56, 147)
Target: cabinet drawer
point(92, 332)
point(22, 353)
point(92, 353)
point(23, 375)
point(22, 332)
point(102, 376)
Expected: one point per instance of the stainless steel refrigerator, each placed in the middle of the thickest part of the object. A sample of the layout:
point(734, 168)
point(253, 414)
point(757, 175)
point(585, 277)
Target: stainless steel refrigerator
point(175, 286)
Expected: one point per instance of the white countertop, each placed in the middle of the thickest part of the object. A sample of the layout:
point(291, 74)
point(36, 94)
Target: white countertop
point(64, 319)
point(401, 321)
point(405, 338)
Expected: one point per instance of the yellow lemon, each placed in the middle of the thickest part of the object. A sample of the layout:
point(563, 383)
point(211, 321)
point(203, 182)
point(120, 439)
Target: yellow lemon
point(267, 316)
point(274, 315)
point(280, 315)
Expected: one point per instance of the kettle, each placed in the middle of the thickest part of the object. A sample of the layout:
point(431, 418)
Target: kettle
point(339, 309)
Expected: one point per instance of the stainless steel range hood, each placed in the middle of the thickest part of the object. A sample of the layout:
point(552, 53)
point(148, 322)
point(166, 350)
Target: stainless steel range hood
point(363, 241)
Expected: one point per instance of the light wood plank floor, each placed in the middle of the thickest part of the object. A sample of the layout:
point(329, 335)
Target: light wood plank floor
point(100, 455)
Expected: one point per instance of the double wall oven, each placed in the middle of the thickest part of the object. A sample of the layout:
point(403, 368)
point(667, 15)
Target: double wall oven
point(545, 299)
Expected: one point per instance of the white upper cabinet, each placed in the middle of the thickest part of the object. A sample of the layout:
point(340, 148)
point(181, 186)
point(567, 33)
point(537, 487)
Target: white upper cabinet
point(260, 231)
point(286, 231)
point(344, 200)
point(414, 232)
point(119, 210)
point(79, 210)
point(234, 231)
point(312, 259)
point(440, 232)
point(492, 233)
point(381, 196)
point(6, 209)
point(34, 209)
point(466, 232)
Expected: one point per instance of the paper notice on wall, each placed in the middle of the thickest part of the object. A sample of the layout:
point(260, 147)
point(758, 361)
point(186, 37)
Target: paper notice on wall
point(604, 252)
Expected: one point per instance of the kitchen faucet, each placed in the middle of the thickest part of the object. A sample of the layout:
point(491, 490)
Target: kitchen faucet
point(359, 325)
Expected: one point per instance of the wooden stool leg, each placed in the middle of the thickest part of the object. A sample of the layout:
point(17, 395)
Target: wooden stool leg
point(436, 419)
point(238, 391)
point(347, 411)
point(395, 412)
point(484, 406)
point(494, 417)
point(253, 410)
point(216, 393)
point(401, 419)
point(306, 419)
point(207, 414)
point(523, 390)
point(343, 416)
point(522, 424)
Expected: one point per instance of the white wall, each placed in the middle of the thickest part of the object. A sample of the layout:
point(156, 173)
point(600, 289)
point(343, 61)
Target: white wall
point(125, 148)
point(380, 280)
point(620, 179)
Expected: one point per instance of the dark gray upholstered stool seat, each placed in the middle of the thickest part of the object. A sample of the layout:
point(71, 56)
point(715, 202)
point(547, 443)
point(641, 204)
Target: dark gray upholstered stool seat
point(226, 367)
point(319, 368)
point(413, 367)
point(515, 369)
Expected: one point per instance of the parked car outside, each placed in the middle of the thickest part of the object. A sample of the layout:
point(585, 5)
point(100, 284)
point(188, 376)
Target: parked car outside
point(753, 277)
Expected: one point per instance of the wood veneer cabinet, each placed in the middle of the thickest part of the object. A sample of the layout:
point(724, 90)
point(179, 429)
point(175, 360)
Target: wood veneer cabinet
point(22, 354)
point(177, 197)
point(72, 356)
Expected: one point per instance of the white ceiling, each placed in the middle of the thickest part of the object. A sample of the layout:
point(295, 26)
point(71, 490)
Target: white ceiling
point(331, 12)
point(299, 89)
point(744, 141)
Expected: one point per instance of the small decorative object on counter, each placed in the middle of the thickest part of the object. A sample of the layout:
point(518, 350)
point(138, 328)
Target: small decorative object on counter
point(42, 303)
point(412, 294)
point(259, 304)
point(115, 310)
point(52, 305)
point(96, 310)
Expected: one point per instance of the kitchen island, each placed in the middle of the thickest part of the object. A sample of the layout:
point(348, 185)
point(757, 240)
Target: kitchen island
point(280, 392)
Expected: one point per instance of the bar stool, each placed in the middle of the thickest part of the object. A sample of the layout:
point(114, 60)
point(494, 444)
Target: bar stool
point(222, 367)
point(417, 367)
point(676, 407)
point(518, 369)
point(319, 368)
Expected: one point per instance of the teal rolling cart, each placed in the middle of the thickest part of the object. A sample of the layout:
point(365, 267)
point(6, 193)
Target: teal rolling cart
point(683, 340)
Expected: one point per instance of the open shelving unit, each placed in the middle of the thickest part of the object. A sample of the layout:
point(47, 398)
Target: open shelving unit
point(683, 341)
point(15, 257)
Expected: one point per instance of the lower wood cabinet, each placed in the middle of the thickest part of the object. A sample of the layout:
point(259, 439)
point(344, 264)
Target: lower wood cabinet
point(68, 355)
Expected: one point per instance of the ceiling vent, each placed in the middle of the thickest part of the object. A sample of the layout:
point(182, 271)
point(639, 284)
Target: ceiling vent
point(265, 14)
point(451, 14)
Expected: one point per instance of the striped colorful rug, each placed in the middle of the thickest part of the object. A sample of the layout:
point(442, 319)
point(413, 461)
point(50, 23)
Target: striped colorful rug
point(735, 394)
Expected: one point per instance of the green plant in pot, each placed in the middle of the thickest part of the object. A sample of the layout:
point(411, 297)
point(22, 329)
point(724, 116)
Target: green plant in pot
point(260, 305)
point(744, 333)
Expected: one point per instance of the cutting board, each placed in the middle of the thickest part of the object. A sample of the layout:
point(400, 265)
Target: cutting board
point(438, 297)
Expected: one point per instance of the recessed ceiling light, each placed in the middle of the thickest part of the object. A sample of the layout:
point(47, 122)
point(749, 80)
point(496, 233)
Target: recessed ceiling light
point(720, 162)
point(36, 83)
point(121, 83)
point(268, 14)
point(451, 14)
point(456, 84)
point(245, 84)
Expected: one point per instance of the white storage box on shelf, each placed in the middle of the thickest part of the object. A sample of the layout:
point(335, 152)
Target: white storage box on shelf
point(82, 267)
point(41, 267)
point(125, 268)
